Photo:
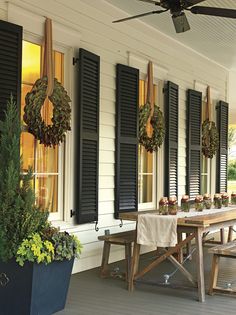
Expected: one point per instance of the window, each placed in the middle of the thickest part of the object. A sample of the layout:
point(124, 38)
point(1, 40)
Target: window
point(206, 162)
point(232, 159)
point(47, 163)
point(146, 162)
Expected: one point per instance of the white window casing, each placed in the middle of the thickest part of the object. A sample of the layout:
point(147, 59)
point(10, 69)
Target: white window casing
point(65, 40)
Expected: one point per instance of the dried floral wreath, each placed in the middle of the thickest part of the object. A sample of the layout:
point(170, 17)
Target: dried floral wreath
point(210, 139)
point(157, 122)
point(49, 135)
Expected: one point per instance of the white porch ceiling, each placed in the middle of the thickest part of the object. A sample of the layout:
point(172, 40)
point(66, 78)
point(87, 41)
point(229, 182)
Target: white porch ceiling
point(213, 37)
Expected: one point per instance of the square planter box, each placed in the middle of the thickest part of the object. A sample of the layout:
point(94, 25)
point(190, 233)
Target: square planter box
point(34, 289)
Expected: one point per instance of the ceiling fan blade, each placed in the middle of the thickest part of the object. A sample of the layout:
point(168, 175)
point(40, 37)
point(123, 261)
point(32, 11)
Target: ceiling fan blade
point(140, 15)
point(151, 1)
point(227, 13)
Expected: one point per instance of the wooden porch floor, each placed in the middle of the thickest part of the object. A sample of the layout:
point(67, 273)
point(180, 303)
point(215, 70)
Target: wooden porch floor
point(90, 295)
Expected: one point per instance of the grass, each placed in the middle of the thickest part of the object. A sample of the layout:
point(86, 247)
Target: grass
point(231, 186)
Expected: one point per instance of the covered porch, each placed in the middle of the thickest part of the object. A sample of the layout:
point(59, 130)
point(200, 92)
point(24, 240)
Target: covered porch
point(89, 294)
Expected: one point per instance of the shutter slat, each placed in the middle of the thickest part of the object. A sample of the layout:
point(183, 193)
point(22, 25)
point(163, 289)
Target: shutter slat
point(10, 64)
point(126, 188)
point(171, 139)
point(222, 154)
point(87, 138)
point(194, 122)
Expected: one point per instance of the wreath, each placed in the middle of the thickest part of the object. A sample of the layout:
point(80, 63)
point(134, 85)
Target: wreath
point(49, 135)
point(210, 139)
point(157, 122)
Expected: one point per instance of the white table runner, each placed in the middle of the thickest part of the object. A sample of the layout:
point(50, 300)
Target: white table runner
point(161, 230)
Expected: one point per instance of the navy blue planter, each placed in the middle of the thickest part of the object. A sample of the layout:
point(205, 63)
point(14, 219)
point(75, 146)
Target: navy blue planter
point(34, 289)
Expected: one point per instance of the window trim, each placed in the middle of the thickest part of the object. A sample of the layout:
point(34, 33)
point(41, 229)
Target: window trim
point(211, 167)
point(61, 160)
point(68, 39)
point(158, 159)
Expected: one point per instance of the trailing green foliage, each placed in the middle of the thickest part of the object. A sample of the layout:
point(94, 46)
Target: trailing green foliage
point(19, 215)
point(66, 246)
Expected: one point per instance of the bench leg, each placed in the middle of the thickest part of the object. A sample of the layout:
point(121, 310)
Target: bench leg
point(105, 259)
point(214, 273)
point(188, 248)
point(128, 260)
point(222, 236)
point(230, 234)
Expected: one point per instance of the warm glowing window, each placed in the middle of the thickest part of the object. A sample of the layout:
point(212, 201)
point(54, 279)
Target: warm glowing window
point(46, 162)
point(146, 159)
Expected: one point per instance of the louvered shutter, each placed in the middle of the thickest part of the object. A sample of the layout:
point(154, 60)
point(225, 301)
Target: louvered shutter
point(171, 139)
point(87, 138)
point(10, 64)
point(126, 192)
point(194, 127)
point(222, 154)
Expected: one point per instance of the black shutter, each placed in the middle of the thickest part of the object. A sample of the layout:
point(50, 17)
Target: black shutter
point(222, 155)
point(171, 139)
point(126, 192)
point(10, 64)
point(87, 138)
point(194, 141)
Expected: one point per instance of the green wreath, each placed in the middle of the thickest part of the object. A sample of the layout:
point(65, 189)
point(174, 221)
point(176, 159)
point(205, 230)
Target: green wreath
point(210, 139)
point(49, 135)
point(157, 122)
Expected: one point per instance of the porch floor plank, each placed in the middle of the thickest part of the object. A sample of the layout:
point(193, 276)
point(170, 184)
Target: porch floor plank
point(89, 294)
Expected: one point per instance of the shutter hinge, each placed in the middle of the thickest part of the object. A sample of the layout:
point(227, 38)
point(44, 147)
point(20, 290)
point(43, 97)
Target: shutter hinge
point(121, 223)
point(96, 226)
point(75, 60)
point(72, 213)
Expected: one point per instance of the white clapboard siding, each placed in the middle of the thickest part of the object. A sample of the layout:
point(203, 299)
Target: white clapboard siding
point(113, 43)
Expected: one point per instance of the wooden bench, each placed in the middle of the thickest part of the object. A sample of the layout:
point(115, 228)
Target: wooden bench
point(124, 238)
point(224, 250)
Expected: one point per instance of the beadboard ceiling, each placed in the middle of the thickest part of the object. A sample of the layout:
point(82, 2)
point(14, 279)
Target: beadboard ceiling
point(213, 37)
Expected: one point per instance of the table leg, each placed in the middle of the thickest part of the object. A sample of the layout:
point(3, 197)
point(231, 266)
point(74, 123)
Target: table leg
point(214, 273)
point(134, 266)
point(200, 266)
point(180, 251)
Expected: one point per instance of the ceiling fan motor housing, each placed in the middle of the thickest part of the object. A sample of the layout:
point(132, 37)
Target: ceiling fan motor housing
point(175, 6)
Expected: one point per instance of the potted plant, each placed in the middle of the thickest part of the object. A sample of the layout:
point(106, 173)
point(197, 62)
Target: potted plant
point(36, 259)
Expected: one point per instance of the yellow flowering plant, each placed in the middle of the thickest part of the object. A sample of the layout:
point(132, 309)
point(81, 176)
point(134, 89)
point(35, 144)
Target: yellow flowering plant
point(48, 245)
point(35, 249)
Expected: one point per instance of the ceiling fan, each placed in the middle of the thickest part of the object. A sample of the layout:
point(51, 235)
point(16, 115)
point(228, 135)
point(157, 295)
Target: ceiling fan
point(177, 7)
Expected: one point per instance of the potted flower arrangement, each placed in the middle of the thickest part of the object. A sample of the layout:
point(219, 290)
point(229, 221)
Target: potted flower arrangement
point(36, 259)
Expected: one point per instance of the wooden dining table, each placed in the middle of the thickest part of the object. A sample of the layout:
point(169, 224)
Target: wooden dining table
point(196, 227)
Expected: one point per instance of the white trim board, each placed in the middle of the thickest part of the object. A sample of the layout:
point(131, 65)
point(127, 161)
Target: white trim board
point(202, 87)
point(141, 63)
point(33, 24)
